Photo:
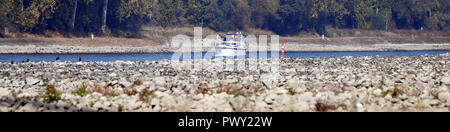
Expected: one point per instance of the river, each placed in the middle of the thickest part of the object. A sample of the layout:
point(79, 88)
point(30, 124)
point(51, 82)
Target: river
point(160, 56)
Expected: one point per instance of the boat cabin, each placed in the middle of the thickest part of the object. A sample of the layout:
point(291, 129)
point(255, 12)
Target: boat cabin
point(234, 37)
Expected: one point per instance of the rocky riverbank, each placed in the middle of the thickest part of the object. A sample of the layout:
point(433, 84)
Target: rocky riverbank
point(59, 49)
point(290, 47)
point(360, 84)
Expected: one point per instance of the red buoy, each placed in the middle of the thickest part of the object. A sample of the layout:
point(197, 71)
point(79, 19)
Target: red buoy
point(282, 49)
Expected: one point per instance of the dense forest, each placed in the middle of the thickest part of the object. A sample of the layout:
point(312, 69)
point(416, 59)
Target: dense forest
point(284, 17)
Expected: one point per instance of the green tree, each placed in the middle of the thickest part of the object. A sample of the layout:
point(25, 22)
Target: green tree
point(62, 18)
point(263, 12)
point(328, 12)
point(3, 13)
point(135, 13)
point(294, 16)
point(31, 15)
point(89, 17)
point(377, 22)
point(442, 14)
point(196, 11)
point(361, 10)
point(167, 12)
point(240, 14)
point(285, 17)
point(413, 13)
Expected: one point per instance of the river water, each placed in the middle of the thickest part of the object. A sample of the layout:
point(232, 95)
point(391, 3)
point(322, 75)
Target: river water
point(160, 56)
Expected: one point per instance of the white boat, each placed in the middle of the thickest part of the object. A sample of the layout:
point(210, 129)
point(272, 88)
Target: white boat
point(233, 45)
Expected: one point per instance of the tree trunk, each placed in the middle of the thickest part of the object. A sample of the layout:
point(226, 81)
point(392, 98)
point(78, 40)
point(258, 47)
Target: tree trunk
point(387, 21)
point(74, 14)
point(105, 9)
point(429, 14)
point(21, 8)
point(6, 31)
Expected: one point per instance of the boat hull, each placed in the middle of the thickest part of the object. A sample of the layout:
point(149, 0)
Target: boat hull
point(230, 52)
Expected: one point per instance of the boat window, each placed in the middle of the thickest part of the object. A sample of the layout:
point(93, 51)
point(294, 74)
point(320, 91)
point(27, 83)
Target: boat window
point(233, 37)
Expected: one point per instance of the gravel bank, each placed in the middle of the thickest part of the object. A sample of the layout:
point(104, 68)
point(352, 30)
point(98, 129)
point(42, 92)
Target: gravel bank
point(58, 49)
point(360, 84)
point(293, 47)
point(122, 45)
point(361, 47)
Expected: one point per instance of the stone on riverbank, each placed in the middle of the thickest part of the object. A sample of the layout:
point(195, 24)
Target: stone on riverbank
point(416, 83)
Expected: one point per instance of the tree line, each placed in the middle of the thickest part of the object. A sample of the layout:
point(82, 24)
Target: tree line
point(284, 17)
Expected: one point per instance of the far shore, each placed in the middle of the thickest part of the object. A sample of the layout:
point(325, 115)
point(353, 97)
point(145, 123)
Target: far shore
point(43, 45)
